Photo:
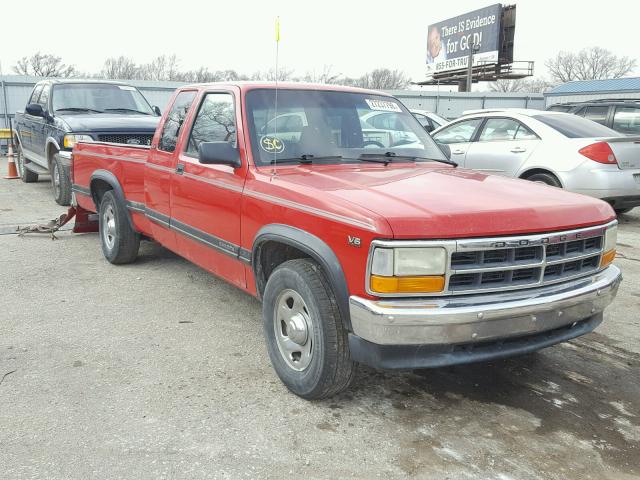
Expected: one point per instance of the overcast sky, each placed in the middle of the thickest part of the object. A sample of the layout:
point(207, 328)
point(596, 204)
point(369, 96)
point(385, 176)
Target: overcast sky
point(351, 36)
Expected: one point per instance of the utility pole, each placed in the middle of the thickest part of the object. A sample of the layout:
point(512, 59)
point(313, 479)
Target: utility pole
point(474, 48)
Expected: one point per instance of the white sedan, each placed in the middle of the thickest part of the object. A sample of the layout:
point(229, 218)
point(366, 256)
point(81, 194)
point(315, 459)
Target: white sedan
point(555, 148)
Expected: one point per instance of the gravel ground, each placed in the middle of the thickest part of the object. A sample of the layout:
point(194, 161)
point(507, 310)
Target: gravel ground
point(158, 370)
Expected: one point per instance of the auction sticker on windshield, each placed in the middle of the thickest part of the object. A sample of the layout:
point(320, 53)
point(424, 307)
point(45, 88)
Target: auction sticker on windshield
point(272, 144)
point(382, 105)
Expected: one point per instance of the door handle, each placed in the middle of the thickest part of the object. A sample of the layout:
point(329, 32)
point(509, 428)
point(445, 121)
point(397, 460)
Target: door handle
point(457, 152)
point(518, 149)
point(180, 168)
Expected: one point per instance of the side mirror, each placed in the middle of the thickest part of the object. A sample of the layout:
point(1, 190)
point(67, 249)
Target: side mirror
point(446, 149)
point(219, 153)
point(35, 109)
point(157, 111)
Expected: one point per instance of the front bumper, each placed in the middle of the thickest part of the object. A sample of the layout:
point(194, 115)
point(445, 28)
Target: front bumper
point(440, 324)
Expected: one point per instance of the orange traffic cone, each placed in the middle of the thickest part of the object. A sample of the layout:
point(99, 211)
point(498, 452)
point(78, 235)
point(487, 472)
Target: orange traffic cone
point(12, 173)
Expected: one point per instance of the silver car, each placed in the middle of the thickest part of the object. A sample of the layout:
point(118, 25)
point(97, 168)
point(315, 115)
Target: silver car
point(555, 148)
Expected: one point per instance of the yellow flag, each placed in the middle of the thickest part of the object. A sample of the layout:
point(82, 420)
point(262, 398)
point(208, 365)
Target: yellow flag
point(277, 29)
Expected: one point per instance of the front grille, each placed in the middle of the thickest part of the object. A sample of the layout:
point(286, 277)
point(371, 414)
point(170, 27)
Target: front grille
point(127, 139)
point(526, 261)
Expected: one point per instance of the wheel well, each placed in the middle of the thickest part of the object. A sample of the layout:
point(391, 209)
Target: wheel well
point(270, 254)
point(98, 188)
point(535, 171)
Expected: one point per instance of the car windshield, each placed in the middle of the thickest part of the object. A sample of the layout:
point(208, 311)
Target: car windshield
point(334, 127)
point(98, 97)
point(573, 126)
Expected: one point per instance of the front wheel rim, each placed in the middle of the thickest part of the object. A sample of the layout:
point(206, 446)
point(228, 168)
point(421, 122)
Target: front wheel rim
point(293, 329)
point(55, 177)
point(109, 230)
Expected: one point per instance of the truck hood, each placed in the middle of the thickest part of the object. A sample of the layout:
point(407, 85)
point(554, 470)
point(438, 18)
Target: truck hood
point(107, 122)
point(428, 201)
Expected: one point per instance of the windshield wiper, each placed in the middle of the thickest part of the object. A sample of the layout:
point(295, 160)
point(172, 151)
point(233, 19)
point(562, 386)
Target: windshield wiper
point(306, 158)
point(78, 109)
point(389, 157)
point(133, 110)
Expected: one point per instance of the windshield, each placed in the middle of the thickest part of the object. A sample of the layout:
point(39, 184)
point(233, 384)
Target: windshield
point(573, 126)
point(99, 97)
point(334, 127)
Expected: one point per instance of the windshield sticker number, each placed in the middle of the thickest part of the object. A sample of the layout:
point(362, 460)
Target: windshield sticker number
point(271, 145)
point(383, 105)
point(126, 87)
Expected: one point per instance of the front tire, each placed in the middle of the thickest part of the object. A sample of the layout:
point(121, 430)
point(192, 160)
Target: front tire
point(546, 178)
point(120, 242)
point(60, 181)
point(26, 175)
point(305, 334)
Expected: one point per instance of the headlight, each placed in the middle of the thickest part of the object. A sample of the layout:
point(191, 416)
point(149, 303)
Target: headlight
point(71, 139)
point(609, 250)
point(408, 270)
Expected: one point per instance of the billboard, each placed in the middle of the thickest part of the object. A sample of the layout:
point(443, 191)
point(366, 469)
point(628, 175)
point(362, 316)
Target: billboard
point(449, 41)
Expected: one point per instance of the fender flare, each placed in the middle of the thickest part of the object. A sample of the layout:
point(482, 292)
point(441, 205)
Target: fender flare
point(313, 246)
point(109, 178)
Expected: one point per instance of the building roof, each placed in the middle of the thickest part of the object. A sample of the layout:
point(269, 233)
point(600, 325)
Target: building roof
point(628, 84)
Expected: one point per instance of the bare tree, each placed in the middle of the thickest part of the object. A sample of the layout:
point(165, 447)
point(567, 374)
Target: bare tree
point(594, 63)
point(162, 68)
point(535, 85)
point(44, 65)
point(284, 74)
point(325, 76)
point(383, 79)
point(121, 68)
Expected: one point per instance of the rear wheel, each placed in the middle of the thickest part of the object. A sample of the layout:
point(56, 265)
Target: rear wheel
point(546, 178)
point(120, 242)
point(25, 174)
point(306, 338)
point(60, 181)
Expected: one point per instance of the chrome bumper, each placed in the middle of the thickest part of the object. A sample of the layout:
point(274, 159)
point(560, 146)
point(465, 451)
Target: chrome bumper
point(480, 318)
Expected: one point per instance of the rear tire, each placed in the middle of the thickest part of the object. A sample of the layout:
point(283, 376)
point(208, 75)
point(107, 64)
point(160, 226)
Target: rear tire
point(120, 242)
point(546, 178)
point(305, 334)
point(26, 175)
point(60, 181)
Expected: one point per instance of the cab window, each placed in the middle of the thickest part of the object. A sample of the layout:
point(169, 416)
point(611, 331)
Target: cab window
point(627, 120)
point(44, 97)
point(597, 114)
point(174, 121)
point(460, 132)
point(215, 122)
point(36, 93)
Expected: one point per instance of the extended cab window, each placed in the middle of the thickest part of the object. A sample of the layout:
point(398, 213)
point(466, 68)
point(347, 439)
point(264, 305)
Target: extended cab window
point(215, 122)
point(174, 121)
point(597, 114)
point(461, 132)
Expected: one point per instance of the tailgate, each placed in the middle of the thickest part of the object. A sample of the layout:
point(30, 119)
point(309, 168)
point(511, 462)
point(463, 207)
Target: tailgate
point(626, 150)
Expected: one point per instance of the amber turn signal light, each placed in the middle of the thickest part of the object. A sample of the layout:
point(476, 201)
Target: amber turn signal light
point(607, 258)
point(422, 284)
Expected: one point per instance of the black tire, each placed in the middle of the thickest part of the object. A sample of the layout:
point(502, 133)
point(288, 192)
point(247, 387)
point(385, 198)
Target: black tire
point(26, 175)
point(330, 369)
point(620, 211)
point(547, 178)
point(60, 181)
point(120, 242)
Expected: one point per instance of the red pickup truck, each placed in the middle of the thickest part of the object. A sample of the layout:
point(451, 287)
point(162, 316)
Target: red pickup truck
point(365, 244)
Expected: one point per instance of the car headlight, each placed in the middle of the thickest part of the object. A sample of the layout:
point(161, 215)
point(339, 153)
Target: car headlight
point(71, 139)
point(609, 250)
point(408, 270)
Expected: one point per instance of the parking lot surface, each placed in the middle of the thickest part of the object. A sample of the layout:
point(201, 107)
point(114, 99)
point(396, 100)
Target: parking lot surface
point(158, 370)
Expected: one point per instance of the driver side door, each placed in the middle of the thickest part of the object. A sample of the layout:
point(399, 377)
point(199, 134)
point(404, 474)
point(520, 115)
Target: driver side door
point(459, 136)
